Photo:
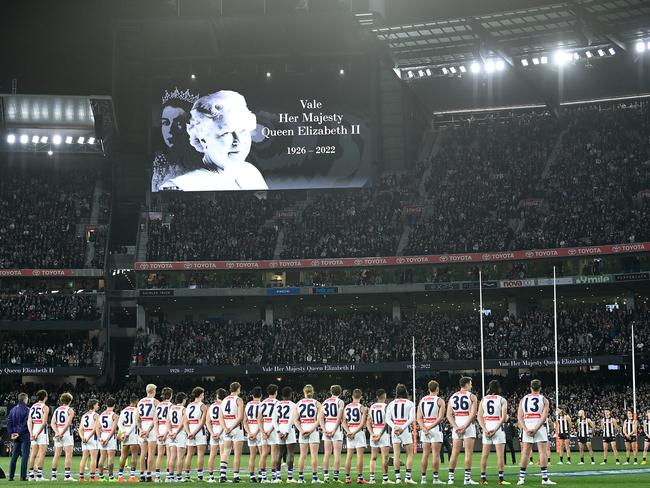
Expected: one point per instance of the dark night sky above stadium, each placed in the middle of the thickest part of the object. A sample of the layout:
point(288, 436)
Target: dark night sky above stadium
point(65, 46)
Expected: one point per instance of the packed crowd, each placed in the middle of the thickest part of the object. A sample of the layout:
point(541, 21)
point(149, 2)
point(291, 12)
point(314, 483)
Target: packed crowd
point(48, 306)
point(228, 226)
point(40, 208)
point(376, 337)
point(509, 181)
point(58, 348)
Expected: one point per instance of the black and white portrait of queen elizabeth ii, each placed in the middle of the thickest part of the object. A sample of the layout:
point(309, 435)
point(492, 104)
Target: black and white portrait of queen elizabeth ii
point(220, 127)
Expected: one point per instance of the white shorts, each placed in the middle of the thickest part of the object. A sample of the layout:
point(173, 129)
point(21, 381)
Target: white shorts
point(405, 438)
point(180, 441)
point(273, 439)
point(290, 439)
point(42, 439)
point(359, 440)
point(66, 440)
point(162, 431)
point(470, 433)
point(312, 438)
point(200, 439)
point(91, 445)
point(499, 437)
point(384, 441)
point(434, 435)
point(111, 445)
point(132, 439)
point(540, 436)
point(236, 435)
point(338, 434)
point(151, 437)
point(218, 441)
point(257, 441)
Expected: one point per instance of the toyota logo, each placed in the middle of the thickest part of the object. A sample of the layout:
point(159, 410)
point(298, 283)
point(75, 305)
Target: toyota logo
point(529, 254)
point(315, 262)
point(572, 251)
point(444, 259)
point(400, 260)
point(616, 248)
point(486, 257)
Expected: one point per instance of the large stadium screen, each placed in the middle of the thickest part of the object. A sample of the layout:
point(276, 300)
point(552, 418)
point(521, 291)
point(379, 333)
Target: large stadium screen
point(273, 131)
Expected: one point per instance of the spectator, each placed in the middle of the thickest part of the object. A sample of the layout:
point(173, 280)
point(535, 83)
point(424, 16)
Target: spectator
point(19, 434)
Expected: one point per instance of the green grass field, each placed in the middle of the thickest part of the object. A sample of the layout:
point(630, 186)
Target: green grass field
point(564, 475)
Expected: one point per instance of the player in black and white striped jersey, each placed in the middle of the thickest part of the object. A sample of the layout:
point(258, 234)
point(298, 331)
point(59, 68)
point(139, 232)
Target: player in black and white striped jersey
point(646, 431)
point(585, 428)
point(630, 431)
point(609, 427)
point(564, 426)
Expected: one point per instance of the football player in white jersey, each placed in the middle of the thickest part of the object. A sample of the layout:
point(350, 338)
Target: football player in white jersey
point(330, 422)
point(195, 416)
point(163, 441)
point(354, 420)
point(177, 435)
point(252, 429)
point(379, 437)
point(283, 424)
point(88, 436)
point(532, 415)
point(400, 415)
point(431, 414)
point(630, 431)
point(492, 415)
point(106, 430)
point(127, 434)
point(270, 441)
point(62, 429)
point(585, 427)
point(461, 414)
point(231, 419)
point(646, 442)
point(214, 430)
point(305, 418)
point(37, 426)
point(148, 428)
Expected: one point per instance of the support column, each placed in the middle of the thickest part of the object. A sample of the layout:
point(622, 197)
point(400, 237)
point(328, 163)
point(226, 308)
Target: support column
point(512, 306)
point(268, 313)
point(141, 318)
point(630, 303)
point(397, 311)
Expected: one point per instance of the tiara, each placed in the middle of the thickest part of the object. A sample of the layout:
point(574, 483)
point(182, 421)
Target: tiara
point(185, 96)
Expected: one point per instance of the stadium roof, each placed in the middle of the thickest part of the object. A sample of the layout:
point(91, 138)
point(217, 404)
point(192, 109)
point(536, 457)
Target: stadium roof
point(517, 33)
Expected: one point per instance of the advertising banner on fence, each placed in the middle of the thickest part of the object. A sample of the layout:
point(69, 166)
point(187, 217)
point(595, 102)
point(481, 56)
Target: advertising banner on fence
point(395, 260)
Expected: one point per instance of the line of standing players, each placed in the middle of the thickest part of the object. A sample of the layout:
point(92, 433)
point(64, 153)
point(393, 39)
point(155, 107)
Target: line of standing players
point(180, 428)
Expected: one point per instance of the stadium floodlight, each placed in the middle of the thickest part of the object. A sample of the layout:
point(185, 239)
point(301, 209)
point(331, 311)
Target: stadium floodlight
point(91, 140)
point(24, 139)
point(50, 152)
point(489, 66)
point(421, 72)
point(543, 60)
point(462, 69)
point(341, 72)
point(601, 53)
point(560, 58)
point(428, 71)
point(44, 139)
point(535, 61)
point(193, 76)
point(589, 54)
point(612, 51)
point(409, 73)
point(68, 140)
point(452, 70)
point(475, 67)
point(35, 139)
point(524, 62)
point(501, 65)
point(11, 138)
point(640, 46)
point(81, 140)
point(268, 74)
point(576, 56)
point(445, 71)
point(56, 139)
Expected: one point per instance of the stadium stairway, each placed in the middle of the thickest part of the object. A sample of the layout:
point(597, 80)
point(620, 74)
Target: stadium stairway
point(554, 153)
point(404, 239)
point(435, 149)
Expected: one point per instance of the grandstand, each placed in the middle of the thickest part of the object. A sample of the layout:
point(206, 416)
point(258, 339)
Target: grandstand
point(418, 194)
